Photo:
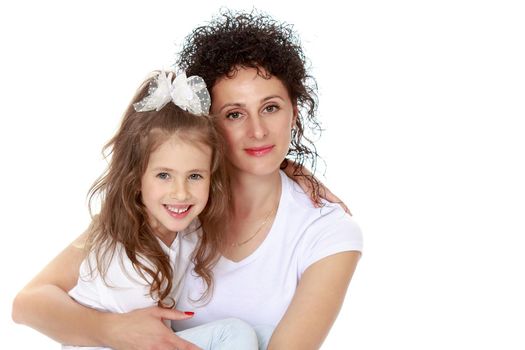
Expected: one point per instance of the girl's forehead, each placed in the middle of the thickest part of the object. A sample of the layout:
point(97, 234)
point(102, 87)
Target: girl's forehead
point(194, 138)
point(189, 140)
point(178, 152)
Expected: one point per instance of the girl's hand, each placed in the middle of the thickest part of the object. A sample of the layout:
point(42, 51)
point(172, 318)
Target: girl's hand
point(144, 329)
point(308, 188)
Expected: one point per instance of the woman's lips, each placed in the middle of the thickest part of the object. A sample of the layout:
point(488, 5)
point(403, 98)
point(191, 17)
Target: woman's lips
point(259, 151)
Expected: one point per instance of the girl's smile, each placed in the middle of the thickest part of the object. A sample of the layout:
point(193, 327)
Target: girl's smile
point(178, 211)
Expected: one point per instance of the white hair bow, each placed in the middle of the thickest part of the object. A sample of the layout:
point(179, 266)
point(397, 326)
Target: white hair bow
point(189, 94)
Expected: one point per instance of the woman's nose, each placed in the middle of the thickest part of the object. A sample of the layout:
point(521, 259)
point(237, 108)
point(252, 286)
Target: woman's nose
point(258, 128)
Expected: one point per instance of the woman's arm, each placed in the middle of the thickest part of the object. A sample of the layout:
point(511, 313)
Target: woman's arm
point(45, 306)
point(316, 303)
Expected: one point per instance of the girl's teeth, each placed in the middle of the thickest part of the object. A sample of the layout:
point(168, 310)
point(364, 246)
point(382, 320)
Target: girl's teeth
point(177, 210)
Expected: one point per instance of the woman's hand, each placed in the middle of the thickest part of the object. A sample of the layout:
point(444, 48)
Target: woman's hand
point(316, 194)
point(146, 329)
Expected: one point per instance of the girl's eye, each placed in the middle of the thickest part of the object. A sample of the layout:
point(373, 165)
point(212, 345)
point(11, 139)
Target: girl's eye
point(233, 115)
point(163, 176)
point(195, 177)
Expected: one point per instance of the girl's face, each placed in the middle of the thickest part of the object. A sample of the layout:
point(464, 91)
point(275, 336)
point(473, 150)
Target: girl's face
point(256, 116)
point(175, 185)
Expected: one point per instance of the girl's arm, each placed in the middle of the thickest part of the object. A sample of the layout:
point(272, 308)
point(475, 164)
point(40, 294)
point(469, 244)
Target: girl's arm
point(45, 306)
point(316, 303)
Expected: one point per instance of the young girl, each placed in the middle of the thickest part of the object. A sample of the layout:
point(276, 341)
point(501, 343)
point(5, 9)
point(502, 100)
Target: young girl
point(164, 162)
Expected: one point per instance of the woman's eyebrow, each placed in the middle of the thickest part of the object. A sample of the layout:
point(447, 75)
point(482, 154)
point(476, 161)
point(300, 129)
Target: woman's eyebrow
point(238, 104)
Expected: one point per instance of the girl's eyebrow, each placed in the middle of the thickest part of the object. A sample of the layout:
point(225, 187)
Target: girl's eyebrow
point(198, 171)
point(187, 171)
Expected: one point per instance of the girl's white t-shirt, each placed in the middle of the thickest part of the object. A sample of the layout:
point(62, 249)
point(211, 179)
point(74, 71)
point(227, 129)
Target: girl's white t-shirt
point(259, 288)
point(123, 289)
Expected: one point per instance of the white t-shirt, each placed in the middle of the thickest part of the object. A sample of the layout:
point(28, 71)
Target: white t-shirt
point(123, 288)
point(259, 288)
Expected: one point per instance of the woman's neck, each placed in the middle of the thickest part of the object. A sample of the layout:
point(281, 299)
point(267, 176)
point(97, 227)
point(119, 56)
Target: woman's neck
point(254, 193)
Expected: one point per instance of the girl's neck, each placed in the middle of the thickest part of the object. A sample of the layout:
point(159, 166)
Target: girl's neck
point(166, 236)
point(254, 193)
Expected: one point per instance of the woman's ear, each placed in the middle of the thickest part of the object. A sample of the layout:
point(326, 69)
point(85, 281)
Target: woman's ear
point(294, 118)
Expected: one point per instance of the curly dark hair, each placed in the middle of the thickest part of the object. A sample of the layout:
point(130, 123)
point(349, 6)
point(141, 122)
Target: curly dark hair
point(255, 40)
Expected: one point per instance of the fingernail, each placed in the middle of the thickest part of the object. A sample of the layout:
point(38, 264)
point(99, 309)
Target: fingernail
point(189, 313)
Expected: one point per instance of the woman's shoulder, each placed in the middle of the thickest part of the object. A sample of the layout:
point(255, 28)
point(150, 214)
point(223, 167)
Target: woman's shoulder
point(295, 200)
point(328, 220)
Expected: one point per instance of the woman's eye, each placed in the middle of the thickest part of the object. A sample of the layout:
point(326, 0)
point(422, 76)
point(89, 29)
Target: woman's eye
point(163, 176)
point(271, 108)
point(195, 177)
point(233, 115)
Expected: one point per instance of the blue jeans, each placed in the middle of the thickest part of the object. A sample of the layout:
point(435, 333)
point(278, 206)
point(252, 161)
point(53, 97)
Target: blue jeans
point(264, 333)
point(227, 334)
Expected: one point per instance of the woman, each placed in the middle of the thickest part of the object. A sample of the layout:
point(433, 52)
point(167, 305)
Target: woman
point(287, 264)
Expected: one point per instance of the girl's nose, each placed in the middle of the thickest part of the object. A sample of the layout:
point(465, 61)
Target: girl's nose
point(179, 192)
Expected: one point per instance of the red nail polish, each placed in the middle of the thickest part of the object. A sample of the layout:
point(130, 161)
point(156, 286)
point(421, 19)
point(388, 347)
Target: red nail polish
point(189, 313)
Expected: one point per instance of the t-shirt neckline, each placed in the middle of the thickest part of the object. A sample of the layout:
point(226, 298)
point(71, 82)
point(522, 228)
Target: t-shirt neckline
point(255, 254)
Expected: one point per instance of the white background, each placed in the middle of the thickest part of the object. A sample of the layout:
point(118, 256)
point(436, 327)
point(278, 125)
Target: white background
point(422, 102)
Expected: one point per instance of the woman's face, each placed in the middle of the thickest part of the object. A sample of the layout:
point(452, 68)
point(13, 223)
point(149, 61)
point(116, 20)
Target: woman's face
point(256, 116)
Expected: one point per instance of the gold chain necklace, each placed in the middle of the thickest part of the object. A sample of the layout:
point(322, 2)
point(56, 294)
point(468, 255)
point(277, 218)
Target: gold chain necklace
point(270, 214)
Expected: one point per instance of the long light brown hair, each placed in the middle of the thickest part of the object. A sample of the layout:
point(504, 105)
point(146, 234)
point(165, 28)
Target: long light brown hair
point(123, 218)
